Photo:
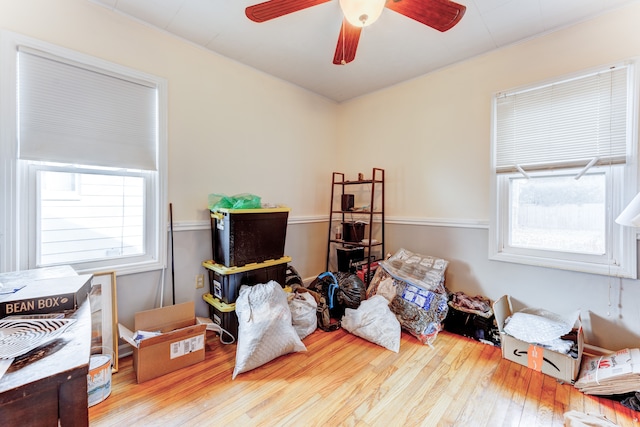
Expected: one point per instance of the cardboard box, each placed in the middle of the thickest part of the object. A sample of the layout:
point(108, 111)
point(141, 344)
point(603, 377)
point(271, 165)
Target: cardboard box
point(44, 295)
point(558, 365)
point(179, 344)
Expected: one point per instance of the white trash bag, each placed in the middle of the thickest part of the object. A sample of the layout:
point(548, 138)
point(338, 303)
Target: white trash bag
point(303, 308)
point(374, 322)
point(265, 331)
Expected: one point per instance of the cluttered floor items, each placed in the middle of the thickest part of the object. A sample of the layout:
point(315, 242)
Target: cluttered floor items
point(408, 293)
point(257, 297)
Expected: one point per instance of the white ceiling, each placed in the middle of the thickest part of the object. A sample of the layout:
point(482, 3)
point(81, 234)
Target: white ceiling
point(299, 47)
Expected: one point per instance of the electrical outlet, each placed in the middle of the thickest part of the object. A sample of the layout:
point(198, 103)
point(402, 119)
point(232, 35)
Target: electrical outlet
point(200, 281)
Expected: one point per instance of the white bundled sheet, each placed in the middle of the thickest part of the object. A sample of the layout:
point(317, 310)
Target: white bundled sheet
point(265, 331)
point(539, 326)
point(542, 327)
point(374, 322)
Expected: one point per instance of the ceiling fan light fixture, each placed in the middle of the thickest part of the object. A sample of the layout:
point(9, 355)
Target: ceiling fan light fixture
point(362, 13)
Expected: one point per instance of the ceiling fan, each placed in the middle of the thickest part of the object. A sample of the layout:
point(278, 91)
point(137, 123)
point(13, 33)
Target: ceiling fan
point(441, 15)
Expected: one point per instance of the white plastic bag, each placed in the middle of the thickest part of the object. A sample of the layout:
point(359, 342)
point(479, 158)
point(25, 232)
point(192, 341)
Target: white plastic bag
point(265, 331)
point(538, 325)
point(375, 322)
point(303, 308)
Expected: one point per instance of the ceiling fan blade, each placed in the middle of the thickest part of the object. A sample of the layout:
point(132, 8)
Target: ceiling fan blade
point(275, 8)
point(439, 14)
point(347, 43)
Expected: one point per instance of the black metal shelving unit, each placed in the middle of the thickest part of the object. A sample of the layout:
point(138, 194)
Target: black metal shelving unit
point(373, 213)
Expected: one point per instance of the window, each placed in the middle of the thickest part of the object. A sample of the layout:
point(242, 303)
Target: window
point(102, 218)
point(564, 159)
point(86, 161)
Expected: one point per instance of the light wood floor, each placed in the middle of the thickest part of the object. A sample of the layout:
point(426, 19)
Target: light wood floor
point(343, 380)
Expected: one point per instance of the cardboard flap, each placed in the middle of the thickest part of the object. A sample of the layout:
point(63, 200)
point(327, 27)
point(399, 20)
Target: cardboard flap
point(166, 318)
point(501, 310)
point(178, 334)
point(126, 334)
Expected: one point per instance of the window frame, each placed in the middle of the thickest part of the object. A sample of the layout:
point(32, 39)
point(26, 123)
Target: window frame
point(621, 242)
point(19, 189)
point(32, 232)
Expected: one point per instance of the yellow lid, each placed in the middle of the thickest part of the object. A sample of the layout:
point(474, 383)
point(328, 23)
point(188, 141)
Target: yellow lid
point(223, 269)
point(215, 302)
point(257, 210)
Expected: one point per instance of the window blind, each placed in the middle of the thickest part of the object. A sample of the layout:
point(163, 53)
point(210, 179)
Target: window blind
point(565, 124)
point(78, 114)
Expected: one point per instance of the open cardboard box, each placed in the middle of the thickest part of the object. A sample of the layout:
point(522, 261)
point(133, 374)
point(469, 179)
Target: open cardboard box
point(180, 344)
point(557, 365)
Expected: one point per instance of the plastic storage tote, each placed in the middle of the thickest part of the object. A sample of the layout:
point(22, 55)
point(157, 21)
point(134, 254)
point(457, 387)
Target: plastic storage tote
point(222, 314)
point(245, 236)
point(225, 282)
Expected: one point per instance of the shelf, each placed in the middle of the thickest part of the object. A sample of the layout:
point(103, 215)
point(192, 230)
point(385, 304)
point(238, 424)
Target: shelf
point(359, 212)
point(372, 191)
point(344, 242)
point(365, 181)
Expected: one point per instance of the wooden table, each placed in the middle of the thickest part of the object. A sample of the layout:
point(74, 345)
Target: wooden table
point(50, 383)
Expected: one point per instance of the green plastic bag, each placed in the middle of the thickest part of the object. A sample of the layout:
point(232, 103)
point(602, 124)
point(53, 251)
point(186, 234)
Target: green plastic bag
point(239, 201)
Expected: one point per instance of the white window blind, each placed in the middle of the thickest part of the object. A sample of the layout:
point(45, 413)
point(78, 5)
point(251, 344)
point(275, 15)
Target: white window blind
point(565, 124)
point(72, 113)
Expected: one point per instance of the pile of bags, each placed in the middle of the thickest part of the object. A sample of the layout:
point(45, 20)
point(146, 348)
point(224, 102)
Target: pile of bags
point(406, 292)
point(414, 286)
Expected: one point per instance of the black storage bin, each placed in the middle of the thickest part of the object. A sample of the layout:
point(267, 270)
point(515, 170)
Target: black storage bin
point(245, 236)
point(348, 256)
point(225, 282)
point(223, 315)
point(353, 231)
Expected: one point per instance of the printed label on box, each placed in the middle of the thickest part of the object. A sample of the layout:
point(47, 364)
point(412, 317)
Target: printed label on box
point(186, 346)
point(217, 289)
point(534, 358)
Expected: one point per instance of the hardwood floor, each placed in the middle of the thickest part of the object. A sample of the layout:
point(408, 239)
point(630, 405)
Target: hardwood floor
point(343, 380)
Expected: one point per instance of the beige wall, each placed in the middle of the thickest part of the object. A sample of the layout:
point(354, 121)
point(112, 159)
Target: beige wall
point(432, 134)
point(233, 129)
point(228, 123)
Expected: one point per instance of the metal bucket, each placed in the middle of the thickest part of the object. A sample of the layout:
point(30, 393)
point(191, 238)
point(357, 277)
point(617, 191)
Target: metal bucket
point(99, 378)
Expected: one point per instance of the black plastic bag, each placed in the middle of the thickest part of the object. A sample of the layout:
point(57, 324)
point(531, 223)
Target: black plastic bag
point(340, 290)
point(352, 290)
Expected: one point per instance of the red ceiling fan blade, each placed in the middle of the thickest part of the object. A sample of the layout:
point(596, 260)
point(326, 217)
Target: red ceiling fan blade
point(275, 8)
point(347, 43)
point(439, 14)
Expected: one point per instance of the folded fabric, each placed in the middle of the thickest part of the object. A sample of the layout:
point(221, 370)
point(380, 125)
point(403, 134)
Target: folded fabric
point(558, 345)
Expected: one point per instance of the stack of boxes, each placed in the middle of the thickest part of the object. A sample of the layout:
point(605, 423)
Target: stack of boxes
point(248, 248)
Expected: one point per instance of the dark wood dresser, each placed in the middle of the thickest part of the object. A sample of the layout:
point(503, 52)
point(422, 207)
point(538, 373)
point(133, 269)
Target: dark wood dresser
point(48, 385)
